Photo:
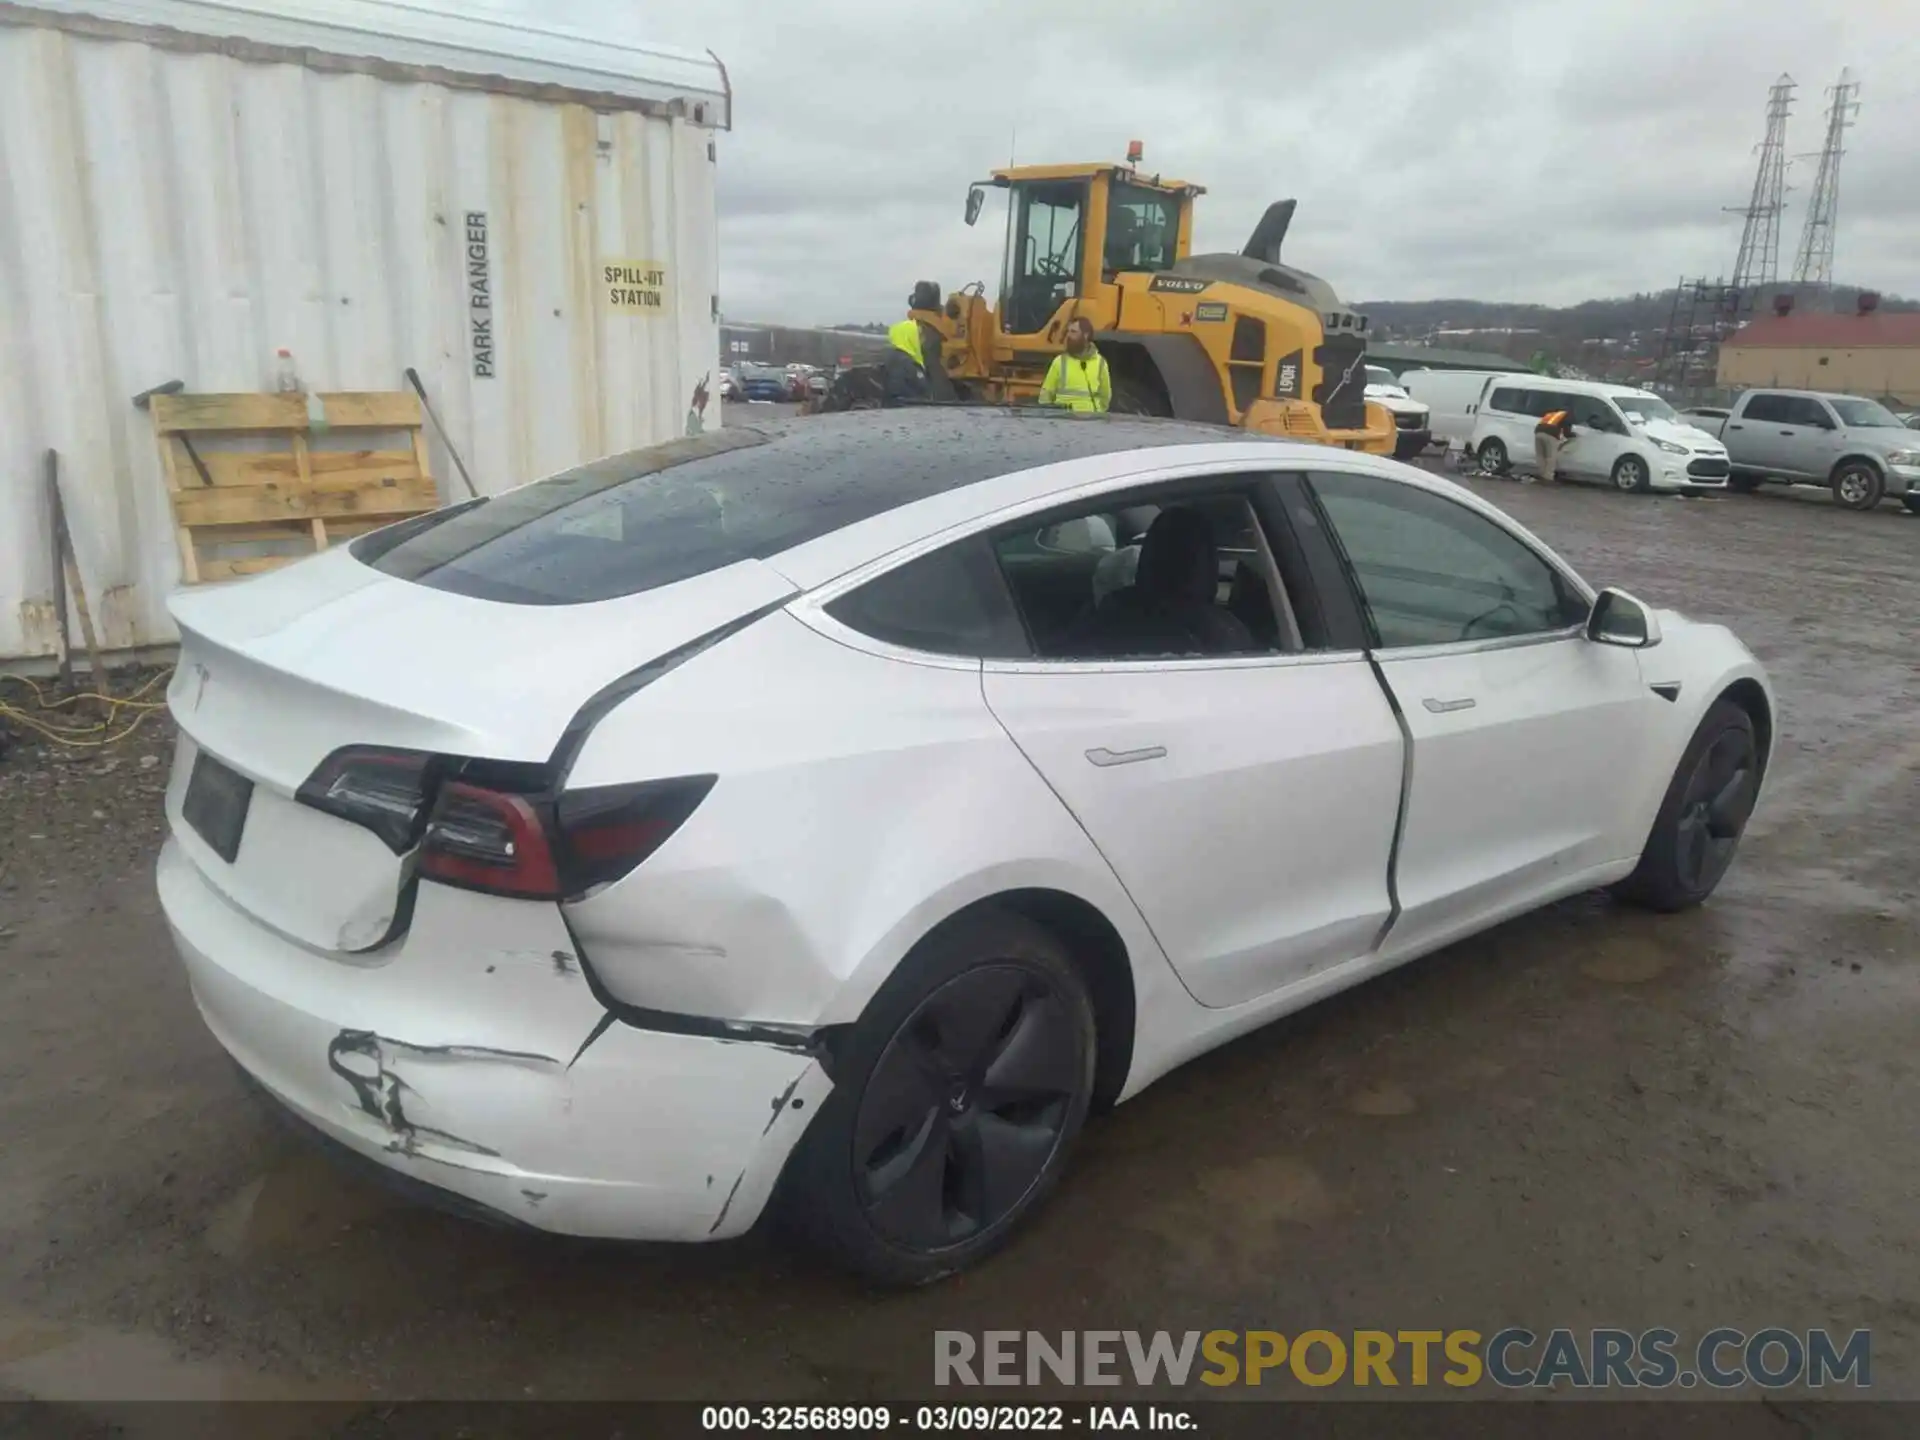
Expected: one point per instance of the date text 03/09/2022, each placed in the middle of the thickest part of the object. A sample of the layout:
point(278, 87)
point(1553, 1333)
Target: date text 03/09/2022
point(944, 1419)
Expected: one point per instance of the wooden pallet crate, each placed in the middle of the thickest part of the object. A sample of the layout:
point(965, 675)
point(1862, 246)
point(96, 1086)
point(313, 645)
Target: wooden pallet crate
point(270, 489)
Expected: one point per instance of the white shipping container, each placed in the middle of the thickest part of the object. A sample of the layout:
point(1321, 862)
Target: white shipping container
point(523, 216)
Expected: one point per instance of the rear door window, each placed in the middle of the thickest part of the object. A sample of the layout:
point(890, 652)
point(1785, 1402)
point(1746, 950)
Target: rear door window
point(1766, 409)
point(1161, 576)
point(1513, 401)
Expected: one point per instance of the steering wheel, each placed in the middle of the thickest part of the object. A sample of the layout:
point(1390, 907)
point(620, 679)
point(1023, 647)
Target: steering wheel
point(1466, 630)
point(1052, 267)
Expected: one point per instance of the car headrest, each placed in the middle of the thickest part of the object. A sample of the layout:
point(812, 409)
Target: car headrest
point(1177, 561)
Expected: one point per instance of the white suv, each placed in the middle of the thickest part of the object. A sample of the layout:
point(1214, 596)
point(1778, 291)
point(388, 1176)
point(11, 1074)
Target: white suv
point(1628, 438)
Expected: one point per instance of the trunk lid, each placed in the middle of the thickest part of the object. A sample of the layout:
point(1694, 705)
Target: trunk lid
point(278, 672)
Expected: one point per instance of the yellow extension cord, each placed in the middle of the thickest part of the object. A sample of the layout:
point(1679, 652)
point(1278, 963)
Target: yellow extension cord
point(85, 737)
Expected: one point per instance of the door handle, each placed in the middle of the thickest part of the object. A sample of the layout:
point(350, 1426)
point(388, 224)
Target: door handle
point(1104, 757)
point(1736, 427)
point(1447, 707)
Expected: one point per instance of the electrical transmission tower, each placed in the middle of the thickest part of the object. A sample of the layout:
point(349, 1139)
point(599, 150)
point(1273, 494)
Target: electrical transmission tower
point(1758, 263)
point(1813, 264)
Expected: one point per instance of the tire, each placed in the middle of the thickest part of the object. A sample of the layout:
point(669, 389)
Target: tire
point(1135, 396)
point(1492, 456)
point(1857, 485)
point(1743, 484)
point(896, 1179)
point(1912, 502)
point(1406, 449)
point(1630, 473)
point(1706, 805)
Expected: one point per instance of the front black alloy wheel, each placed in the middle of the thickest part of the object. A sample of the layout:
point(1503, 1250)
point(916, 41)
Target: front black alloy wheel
point(1703, 815)
point(958, 1096)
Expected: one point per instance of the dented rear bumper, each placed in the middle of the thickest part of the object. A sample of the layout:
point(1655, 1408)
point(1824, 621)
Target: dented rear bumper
point(475, 1059)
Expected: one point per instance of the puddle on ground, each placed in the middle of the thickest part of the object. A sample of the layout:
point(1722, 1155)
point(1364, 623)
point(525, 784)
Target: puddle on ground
point(1626, 962)
point(1384, 1098)
point(1236, 1214)
point(1270, 1189)
point(306, 1201)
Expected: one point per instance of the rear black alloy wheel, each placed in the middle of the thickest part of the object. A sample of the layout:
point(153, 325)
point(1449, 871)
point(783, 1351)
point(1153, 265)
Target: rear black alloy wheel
point(1702, 817)
point(1630, 473)
point(966, 1107)
point(1858, 486)
point(1493, 457)
point(958, 1097)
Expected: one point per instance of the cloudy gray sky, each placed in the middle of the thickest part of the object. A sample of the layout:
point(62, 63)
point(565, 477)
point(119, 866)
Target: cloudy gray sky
point(1537, 150)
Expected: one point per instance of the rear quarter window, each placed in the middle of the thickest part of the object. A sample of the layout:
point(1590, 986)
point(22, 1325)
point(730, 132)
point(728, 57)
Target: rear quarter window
point(951, 602)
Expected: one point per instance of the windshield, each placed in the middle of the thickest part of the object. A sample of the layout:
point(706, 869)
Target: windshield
point(1865, 414)
point(1642, 408)
point(1380, 375)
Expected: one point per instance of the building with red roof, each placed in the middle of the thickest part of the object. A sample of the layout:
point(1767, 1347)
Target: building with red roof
point(1866, 351)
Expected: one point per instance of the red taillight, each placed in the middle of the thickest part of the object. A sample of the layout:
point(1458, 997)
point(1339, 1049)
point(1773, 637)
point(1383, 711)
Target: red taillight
point(383, 790)
point(535, 848)
point(487, 840)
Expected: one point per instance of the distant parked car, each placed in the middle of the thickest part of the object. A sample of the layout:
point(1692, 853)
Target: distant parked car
point(762, 382)
point(817, 383)
point(1856, 447)
point(1409, 415)
point(1452, 398)
point(1627, 438)
point(729, 384)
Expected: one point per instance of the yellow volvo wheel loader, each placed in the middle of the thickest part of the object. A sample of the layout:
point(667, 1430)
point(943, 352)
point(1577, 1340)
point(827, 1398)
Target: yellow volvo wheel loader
point(1235, 339)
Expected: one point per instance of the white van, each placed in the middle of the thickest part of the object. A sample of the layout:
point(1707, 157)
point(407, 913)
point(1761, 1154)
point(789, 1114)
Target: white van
point(1627, 438)
point(1451, 397)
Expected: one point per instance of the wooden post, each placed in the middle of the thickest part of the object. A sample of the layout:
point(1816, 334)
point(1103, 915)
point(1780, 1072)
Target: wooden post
point(54, 529)
point(63, 541)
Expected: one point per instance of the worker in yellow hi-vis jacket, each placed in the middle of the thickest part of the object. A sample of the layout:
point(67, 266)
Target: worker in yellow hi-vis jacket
point(1079, 377)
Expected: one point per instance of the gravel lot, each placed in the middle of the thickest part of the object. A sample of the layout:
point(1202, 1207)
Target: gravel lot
point(1589, 1117)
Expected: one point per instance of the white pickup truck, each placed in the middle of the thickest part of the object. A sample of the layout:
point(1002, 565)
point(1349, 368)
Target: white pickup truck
point(1857, 448)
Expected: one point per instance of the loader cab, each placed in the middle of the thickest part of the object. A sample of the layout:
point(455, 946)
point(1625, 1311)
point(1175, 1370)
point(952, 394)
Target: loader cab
point(1072, 230)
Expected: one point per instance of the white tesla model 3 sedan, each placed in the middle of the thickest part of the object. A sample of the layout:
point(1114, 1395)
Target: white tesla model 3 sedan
point(835, 812)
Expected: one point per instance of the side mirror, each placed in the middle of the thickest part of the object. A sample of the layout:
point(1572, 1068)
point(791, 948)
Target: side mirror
point(976, 197)
point(1619, 619)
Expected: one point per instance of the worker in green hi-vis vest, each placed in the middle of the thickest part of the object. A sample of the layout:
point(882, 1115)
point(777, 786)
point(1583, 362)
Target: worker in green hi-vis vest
point(1079, 378)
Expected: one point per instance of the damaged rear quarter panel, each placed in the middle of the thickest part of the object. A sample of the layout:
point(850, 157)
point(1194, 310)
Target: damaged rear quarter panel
point(877, 798)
